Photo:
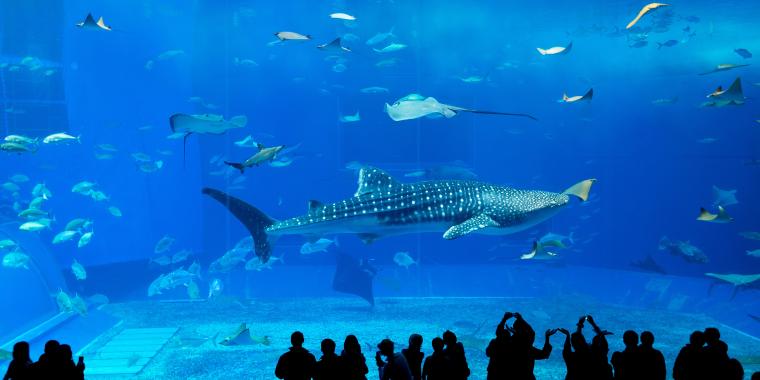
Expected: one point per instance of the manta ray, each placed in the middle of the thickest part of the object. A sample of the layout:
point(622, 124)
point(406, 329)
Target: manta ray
point(732, 96)
point(382, 206)
point(90, 23)
point(578, 98)
point(415, 106)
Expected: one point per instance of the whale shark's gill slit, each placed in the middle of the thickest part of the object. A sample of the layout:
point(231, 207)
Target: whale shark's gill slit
point(254, 220)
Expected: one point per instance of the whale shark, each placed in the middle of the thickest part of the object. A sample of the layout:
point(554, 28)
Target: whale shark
point(382, 206)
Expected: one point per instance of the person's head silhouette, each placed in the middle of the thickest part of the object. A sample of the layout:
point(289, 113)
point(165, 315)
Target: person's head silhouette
point(697, 339)
point(437, 344)
point(449, 338)
point(712, 335)
point(386, 347)
point(630, 339)
point(328, 347)
point(21, 352)
point(415, 342)
point(351, 344)
point(296, 339)
point(647, 339)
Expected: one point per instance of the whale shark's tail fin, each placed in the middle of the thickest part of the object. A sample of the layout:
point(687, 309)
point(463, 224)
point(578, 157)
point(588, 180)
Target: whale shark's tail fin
point(254, 220)
point(580, 189)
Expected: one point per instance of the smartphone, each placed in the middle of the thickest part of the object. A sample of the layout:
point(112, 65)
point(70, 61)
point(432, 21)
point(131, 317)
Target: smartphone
point(81, 359)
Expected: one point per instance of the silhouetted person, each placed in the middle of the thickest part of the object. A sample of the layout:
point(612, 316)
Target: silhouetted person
point(735, 370)
point(297, 363)
point(413, 355)
point(45, 367)
point(436, 365)
point(626, 363)
point(600, 366)
point(688, 364)
point(714, 355)
point(20, 367)
point(396, 367)
point(454, 352)
point(329, 366)
point(756, 376)
point(353, 363)
point(578, 355)
point(498, 350)
point(652, 362)
point(524, 355)
point(68, 370)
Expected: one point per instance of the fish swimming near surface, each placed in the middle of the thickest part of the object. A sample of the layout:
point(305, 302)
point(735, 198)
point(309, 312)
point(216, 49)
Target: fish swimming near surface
point(732, 96)
point(60, 138)
point(292, 36)
point(668, 43)
point(578, 98)
point(752, 235)
point(342, 16)
point(415, 106)
point(382, 206)
point(90, 23)
point(724, 67)
point(334, 45)
point(744, 53)
point(683, 249)
point(211, 124)
point(263, 155)
point(556, 50)
point(664, 101)
point(380, 37)
point(391, 48)
point(350, 118)
point(721, 217)
point(647, 8)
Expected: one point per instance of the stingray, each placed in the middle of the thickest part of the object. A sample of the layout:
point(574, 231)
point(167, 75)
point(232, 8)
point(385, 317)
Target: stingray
point(721, 217)
point(240, 337)
point(723, 67)
point(206, 124)
point(90, 23)
point(648, 264)
point(578, 98)
point(732, 96)
point(354, 276)
point(334, 45)
point(415, 106)
point(724, 197)
point(539, 253)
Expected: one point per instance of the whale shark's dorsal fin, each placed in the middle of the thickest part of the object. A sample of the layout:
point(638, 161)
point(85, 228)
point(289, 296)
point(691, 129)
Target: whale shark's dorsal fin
point(373, 180)
point(580, 189)
point(475, 223)
point(314, 205)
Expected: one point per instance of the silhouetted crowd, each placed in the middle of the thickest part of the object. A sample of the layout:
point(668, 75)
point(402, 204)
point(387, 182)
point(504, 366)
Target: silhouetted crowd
point(512, 356)
point(55, 363)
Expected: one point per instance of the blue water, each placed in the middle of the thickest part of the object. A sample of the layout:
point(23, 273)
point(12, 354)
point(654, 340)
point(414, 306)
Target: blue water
point(653, 173)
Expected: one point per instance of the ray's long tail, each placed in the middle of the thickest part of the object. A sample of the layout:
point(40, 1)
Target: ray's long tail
point(254, 220)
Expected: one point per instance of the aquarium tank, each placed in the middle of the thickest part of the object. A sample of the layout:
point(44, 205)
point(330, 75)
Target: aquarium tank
point(185, 183)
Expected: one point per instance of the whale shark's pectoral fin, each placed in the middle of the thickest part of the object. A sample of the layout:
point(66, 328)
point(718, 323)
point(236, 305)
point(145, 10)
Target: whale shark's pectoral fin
point(477, 222)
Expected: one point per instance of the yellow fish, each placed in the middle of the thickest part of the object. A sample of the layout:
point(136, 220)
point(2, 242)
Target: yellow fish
point(643, 11)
